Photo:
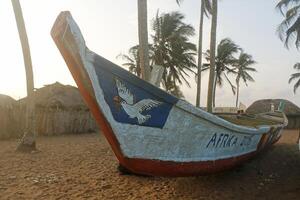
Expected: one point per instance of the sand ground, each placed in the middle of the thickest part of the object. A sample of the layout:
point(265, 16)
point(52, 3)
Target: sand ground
point(84, 167)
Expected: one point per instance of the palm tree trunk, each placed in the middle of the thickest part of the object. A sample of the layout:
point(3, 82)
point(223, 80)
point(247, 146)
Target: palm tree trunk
point(213, 38)
point(143, 39)
point(200, 55)
point(237, 93)
point(28, 141)
point(214, 92)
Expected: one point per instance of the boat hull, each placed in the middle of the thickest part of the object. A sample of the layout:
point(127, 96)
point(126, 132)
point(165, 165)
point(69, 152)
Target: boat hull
point(151, 132)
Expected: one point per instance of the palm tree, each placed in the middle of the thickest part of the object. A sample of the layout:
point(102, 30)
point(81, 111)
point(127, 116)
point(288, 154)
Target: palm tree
point(172, 49)
point(143, 39)
point(213, 41)
point(243, 68)
point(296, 76)
point(224, 63)
point(173, 88)
point(205, 10)
point(132, 60)
point(290, 26)
point(28, 142)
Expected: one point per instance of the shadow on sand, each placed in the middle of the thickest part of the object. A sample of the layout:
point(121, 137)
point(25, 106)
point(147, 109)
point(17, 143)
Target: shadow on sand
point(273, 174)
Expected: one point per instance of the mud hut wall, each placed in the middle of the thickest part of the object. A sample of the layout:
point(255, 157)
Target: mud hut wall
point(8, 124)
point(64, 121)
point(58, 121)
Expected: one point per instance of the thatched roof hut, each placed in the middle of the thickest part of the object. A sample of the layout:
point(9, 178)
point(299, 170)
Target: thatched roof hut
point(57, 95)
point(291, 110)
point(8, 122)
point(60, 109)
point(6, 101)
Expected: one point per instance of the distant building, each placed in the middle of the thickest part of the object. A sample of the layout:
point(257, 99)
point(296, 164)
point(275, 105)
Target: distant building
point(230, 110)
point(225, 110)
point(291, 110)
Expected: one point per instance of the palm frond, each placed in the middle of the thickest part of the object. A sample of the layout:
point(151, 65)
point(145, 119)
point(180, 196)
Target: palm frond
point(294, 76)
point(296, 86)
point(179, 1)
point(172, 48)
point(297, 66)
point(283, 4)
point(225, 61)
point(233, 88)
point(289, 28)
point(125, 57)
point(207, 7)
point(243, 67)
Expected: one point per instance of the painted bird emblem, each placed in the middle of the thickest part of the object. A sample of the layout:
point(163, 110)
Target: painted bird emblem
point(133, 110)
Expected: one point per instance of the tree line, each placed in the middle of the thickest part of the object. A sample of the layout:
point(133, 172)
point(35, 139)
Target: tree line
point(171, 48)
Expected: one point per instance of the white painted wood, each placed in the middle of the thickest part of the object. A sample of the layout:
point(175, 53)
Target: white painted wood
point(156, 75)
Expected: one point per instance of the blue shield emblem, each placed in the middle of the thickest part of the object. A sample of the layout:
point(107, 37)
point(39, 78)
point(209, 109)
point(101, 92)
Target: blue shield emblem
point(131, 103)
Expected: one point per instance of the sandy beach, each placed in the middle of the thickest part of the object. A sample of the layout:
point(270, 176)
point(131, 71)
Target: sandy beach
point(178, 88)
point(84, 167)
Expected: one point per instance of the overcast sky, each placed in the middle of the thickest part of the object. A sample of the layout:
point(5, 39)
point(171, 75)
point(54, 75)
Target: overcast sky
point(110, 28)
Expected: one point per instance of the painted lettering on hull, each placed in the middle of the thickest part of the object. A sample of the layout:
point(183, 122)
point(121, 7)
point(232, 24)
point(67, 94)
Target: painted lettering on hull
point(226, 140)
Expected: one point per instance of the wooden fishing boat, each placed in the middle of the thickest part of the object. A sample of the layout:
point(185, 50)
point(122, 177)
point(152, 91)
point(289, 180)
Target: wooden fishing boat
point(152, 132)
